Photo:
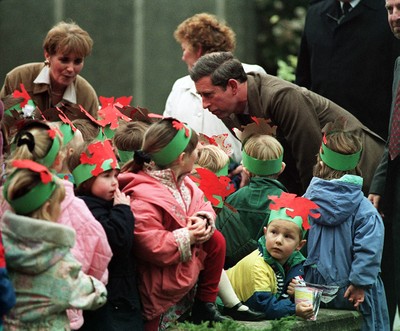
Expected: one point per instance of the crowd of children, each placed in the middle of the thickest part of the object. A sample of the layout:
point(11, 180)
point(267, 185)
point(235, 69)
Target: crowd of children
point(138, 227)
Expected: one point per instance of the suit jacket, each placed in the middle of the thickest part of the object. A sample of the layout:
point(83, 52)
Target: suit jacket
point(336, 62)
point(300, 115)
point(40, 93)
point(388, 169)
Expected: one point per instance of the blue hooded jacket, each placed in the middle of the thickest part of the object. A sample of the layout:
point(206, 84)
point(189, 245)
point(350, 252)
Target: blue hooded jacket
point(345, 246)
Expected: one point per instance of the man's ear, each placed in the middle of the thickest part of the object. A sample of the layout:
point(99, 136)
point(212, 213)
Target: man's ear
point(233, 84)
point(301, 244)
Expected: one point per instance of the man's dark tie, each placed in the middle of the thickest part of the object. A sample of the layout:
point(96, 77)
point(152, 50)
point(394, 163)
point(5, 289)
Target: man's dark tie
point(346, 8)
point(394, 136)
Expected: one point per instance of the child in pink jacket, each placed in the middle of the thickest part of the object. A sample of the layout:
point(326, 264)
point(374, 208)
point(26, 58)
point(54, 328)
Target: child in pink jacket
point(37, 141)
point(179, 253)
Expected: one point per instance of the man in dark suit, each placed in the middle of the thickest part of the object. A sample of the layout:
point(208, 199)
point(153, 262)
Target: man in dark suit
point(347, 55)
point(385, 186)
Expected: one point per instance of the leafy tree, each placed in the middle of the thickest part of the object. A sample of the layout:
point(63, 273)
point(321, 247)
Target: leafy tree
point(280, 25)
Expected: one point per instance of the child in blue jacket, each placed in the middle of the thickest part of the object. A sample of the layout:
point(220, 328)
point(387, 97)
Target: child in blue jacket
point(261, 278)
point(345, 243)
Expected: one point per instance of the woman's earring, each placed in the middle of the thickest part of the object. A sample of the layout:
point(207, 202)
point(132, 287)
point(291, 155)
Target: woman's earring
point(46, 62)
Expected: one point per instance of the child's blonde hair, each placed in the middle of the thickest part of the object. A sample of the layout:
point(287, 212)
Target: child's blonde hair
point(24, 180)
point(212, 158)
point(263, 147)
point(33, 142)
point(343, 142)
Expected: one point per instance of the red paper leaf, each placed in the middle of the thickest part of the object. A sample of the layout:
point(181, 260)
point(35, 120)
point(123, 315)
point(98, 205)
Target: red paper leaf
point(295, 206)
point(23, 94)
point(45, 174)
point(179, 126)
point(65, 119)
point(99, 152)
point(212, 185)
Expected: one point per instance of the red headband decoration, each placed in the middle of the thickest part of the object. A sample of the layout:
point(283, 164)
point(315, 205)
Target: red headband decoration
point(23, 94)
point(295, 206)
point(100, 152)
point(179, 126)
point(45, 174)
point(212, 185)
point(109, 114)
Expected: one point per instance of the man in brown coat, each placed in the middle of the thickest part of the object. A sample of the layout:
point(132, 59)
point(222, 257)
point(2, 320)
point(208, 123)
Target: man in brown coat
point(298, 113)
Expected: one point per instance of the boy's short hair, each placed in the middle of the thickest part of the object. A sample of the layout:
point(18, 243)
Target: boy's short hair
point(129, 135)
point(212, 158)
point(263, 147)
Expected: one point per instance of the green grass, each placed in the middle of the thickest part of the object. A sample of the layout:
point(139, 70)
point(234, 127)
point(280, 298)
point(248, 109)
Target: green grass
point(283, 324)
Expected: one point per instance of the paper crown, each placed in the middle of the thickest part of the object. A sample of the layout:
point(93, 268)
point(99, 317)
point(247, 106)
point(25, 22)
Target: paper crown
point(215, 188)
point(26, 106)
point(175, 147)
point(338, 161)
point(67, 128)
point(35, 197)
point(257, 126)
point(292, 208)
point(102, 158)
point(68, 132)
point(261, 167)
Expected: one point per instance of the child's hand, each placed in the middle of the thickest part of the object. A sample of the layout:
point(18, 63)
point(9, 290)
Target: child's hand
point(291, 286)
point(199, 230)
point(304, 310)
point(208, 217)
point(121, 198)
point(355, 295)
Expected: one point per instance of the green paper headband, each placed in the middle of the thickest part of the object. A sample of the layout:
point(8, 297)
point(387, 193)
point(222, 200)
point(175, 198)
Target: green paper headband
point(125, 156)
point(83, 172)
point(108, 132)
point(68, 133)
point(338, 161)
point(282, 215)
point(223, 171)
point(261, 167)
point(173, 149)
point(32, 200)
point(51, 155)
point(101, 136)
